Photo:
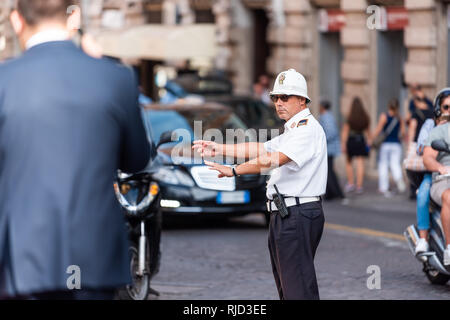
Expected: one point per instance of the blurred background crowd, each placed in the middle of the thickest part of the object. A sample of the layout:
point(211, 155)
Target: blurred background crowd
point(228, 52)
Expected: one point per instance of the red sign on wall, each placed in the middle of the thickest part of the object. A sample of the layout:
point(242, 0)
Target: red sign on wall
point(396, 18)
point(331, 20)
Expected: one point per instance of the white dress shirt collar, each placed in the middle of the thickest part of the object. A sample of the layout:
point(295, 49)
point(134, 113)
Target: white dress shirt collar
point(299, 116)
point(47, 36)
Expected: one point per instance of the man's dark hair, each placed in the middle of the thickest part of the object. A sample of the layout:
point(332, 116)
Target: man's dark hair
point(36, 11)
point(325, 104)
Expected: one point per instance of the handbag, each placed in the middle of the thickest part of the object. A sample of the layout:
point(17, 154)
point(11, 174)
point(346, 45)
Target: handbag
point(384, 134)
point(413, 161)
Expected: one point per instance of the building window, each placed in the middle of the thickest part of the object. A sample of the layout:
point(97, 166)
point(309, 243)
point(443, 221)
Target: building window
point(153, 11)
point(203, 11)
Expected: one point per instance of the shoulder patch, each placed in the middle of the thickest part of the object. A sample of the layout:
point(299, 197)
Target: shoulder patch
point(303, 122)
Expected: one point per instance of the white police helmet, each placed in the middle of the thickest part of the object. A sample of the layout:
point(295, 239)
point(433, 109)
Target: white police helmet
point(291, 82)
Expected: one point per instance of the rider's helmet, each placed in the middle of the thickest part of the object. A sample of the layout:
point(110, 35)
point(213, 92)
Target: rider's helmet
point(444, 93)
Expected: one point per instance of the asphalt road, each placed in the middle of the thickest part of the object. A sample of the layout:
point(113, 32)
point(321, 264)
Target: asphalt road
point(204, 259)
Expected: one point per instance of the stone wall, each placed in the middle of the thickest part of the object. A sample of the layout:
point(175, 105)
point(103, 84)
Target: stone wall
point(426, 40)
point(8, 43)
point(291, 35)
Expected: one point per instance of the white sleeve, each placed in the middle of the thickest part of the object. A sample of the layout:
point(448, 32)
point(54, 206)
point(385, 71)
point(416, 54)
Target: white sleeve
point(272, 145)
point(298, 145)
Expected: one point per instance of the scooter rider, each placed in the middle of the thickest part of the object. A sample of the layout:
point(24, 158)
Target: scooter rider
point(423, 196)
point(439, 164)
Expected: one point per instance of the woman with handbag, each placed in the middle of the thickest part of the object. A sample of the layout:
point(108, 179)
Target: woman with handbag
point(415, 168)
point(388, 132)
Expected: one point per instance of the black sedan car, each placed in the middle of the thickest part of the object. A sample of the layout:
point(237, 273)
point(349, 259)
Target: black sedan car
point(255, 113)
point(187, 185)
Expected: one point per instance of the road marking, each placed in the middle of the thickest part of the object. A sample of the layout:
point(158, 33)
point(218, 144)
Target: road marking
point(367, 232)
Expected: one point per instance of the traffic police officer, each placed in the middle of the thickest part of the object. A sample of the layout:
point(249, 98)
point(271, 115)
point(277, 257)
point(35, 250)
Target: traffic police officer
point(299, 156)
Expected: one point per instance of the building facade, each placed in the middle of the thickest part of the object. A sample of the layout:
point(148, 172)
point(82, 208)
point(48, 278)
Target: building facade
point(345, 48)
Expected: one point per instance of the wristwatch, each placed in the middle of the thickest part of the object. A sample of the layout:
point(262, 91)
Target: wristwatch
point(234, 171)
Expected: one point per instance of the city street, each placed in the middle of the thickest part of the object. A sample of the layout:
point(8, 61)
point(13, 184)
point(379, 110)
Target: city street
point(230, 260)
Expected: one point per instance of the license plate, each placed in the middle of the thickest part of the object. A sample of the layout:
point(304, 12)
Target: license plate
point(233, 197)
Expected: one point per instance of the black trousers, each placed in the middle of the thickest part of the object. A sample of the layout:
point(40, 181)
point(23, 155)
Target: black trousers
point(333, 188)
point(293, 242)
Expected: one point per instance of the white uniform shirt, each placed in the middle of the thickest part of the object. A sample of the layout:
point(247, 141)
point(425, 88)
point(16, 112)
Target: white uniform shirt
point(304, 142)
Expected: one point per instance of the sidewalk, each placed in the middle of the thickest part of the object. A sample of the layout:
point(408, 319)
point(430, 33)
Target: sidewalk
point(371, 199)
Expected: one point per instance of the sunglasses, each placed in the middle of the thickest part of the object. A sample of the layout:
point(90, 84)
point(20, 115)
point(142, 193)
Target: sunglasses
point(445, 107)
point(283, 97)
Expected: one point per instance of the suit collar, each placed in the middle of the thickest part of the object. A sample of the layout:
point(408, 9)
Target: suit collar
point(68, 44)
point(47, 36)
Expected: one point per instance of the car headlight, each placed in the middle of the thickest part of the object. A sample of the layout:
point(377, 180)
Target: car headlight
point(174, 176)
point(129, 200)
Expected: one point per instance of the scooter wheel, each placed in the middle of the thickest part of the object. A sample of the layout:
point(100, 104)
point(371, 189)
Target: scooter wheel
point(435, 277)
point(139, 288)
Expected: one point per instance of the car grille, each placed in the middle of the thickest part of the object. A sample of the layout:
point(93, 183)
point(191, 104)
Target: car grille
point(208, 179)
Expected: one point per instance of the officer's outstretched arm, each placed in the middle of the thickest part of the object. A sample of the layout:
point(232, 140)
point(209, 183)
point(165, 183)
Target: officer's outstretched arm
point(261, 164)
point(249, 150)
point(265, 162)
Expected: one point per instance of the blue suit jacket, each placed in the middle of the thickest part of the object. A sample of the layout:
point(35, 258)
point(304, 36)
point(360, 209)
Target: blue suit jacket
point(67, 123)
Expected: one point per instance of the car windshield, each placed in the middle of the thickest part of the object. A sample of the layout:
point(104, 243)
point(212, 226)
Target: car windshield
point(183, 122)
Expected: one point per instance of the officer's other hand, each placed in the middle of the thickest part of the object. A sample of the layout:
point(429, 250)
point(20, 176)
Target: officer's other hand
point(223, 170)
point(206, 148)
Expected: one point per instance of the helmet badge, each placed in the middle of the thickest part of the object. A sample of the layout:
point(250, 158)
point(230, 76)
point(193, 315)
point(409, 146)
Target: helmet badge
point(282, 78)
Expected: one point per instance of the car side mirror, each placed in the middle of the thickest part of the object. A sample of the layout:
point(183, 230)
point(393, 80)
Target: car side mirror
point(166, 137)
point(440, 145)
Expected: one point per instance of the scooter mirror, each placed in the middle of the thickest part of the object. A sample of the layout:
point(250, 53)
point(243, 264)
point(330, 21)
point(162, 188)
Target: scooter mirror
point(167, 137)
point(440, 145)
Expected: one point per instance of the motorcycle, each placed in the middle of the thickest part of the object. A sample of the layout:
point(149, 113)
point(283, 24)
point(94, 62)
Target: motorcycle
point(432, 261)
point(139, 196)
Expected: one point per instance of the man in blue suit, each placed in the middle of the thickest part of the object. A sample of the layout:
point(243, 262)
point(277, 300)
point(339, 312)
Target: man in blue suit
point(67, 123)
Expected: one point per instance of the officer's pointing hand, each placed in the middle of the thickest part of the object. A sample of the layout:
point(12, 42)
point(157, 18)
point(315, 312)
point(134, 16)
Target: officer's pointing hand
point(206, 148)
point(223, 170)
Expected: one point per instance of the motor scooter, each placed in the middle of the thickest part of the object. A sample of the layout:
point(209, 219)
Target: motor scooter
point(433, 265)
point(139, 196)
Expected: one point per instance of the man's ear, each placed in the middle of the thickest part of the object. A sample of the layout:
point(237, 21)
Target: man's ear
point(302, 101)
point(74, 19)
point(17, 22)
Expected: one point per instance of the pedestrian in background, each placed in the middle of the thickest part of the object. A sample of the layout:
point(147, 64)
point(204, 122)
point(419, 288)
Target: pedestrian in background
point(418, 100)
point(261, 89)
point(389, 130)
point(419, 114)
point(355, 140)
point(328, 123)
point(68, 123)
